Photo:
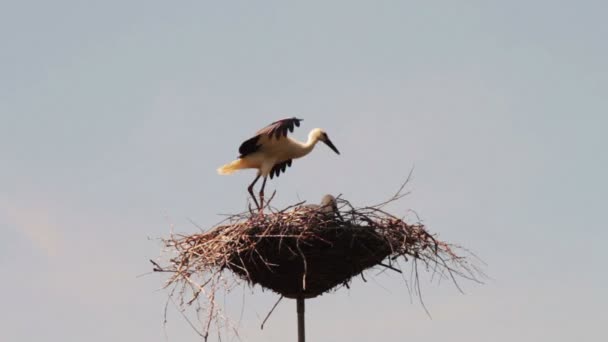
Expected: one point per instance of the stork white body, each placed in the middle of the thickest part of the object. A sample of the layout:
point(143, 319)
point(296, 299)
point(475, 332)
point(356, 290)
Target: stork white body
point(271, 151)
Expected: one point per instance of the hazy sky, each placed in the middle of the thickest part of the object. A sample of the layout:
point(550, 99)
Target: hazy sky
point(115, 116)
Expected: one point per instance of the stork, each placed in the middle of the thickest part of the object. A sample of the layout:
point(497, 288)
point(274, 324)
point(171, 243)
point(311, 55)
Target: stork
point(329, 205)
point(328, 208)
point(271, 151)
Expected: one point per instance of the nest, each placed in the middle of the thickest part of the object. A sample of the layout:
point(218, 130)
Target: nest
point(303, 252)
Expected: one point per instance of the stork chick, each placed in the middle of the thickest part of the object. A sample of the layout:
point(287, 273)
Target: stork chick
point(329, 205)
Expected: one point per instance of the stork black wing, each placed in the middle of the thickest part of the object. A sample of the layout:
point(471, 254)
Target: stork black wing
point(276, 129)
point(249, 146)
point(280, 128)
point(277, 169)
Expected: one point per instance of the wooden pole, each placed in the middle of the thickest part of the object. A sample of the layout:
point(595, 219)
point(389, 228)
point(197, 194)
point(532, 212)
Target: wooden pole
point(300, 304)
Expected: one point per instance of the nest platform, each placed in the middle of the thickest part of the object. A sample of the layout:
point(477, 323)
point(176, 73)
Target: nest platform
point(300, 252)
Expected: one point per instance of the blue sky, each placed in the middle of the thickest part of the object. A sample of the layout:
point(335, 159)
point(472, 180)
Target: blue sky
point(116, 115)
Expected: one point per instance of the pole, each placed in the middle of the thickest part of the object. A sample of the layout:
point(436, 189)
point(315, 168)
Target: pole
point(300, 304)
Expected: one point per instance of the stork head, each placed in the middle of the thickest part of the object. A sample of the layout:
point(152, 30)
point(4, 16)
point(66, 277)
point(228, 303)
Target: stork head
point(318, 134)
point(329, 203)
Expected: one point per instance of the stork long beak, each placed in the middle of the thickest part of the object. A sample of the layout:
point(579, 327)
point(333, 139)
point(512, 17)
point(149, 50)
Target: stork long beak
point(331, 145)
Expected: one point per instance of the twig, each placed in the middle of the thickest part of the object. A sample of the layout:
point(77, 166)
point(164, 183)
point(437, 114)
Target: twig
point(270, 313)
point(390, 267)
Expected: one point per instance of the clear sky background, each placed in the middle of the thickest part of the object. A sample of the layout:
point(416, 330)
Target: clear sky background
point(114, 116)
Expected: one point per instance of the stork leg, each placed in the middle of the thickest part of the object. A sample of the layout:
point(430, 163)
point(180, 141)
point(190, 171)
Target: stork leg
point(250, 189)
point(262, 194)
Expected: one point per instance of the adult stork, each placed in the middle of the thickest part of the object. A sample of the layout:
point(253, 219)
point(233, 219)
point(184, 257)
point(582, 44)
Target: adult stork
point(271, 151)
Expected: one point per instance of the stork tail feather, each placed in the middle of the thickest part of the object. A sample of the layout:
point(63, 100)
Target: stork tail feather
point(232, 167)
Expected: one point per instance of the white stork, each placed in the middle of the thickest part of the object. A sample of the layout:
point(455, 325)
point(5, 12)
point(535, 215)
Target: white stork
point(328, 208)
point(329, 205)
point(271, 151)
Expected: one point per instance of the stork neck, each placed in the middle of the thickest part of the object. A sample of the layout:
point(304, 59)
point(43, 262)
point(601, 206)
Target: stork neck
point(310, 143)
point(306, 147)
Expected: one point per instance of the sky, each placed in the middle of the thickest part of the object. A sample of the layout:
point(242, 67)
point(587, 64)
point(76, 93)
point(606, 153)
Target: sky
point(115, 116)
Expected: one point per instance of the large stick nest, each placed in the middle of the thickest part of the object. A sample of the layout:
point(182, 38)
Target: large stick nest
point(303, 252)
